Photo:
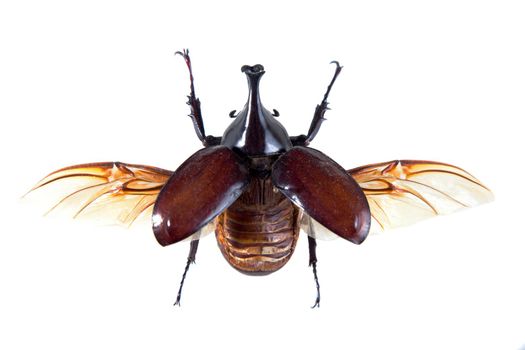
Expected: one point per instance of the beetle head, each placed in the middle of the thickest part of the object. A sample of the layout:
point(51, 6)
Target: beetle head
point(255, 131)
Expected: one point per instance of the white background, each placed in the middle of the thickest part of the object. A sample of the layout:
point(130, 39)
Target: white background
point(97, 81)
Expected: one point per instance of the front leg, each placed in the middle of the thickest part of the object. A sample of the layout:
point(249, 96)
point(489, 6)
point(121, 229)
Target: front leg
point(195, 107)
point(320, 110)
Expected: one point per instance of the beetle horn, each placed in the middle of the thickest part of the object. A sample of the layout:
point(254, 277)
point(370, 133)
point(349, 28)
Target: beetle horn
point(255, 131)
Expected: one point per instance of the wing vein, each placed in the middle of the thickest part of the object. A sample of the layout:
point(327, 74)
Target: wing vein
point(401, 192)
point(110, 191)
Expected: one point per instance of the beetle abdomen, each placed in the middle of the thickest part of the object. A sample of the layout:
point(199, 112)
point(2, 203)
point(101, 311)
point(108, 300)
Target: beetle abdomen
point(257, 233)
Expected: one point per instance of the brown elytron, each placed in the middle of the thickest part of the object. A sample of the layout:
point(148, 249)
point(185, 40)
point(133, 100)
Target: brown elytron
point(313, 181)
point(258, 187)
point(197, 192)
point(258, 232)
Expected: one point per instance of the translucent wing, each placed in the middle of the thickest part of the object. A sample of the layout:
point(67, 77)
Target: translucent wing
point(110, 192)
point(402, 192)
point(315, 230)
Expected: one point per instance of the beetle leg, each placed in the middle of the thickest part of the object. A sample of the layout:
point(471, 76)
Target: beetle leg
point(320, 110)
point(195, 107)
point(191, 260)
point(313, 262)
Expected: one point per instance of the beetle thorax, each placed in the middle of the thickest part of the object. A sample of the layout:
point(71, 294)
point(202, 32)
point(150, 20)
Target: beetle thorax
point(255, 131)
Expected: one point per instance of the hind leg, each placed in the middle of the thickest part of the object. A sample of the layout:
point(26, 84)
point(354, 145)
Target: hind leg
point(191, 260)
point(313, 262)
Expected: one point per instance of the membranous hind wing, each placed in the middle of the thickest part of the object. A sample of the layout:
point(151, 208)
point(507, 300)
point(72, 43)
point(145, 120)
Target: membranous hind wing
point(109, 192)
point(402, 192)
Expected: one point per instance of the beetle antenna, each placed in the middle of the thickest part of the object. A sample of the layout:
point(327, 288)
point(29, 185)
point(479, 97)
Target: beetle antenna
point(191, 260)
point(313, 262)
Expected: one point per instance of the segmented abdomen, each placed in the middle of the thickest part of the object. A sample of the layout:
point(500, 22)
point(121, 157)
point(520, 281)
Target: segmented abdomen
point(258, 233)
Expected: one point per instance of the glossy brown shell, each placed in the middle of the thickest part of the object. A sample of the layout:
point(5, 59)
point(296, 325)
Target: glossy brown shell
point(199, 190)
point(326, 192)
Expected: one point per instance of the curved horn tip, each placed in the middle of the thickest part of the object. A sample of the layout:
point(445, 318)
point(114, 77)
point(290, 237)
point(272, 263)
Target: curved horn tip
point(183, 53)
point(256, 69)
point(337, 64)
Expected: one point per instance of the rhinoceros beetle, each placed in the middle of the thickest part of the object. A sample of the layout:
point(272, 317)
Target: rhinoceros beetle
point(257, 188)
